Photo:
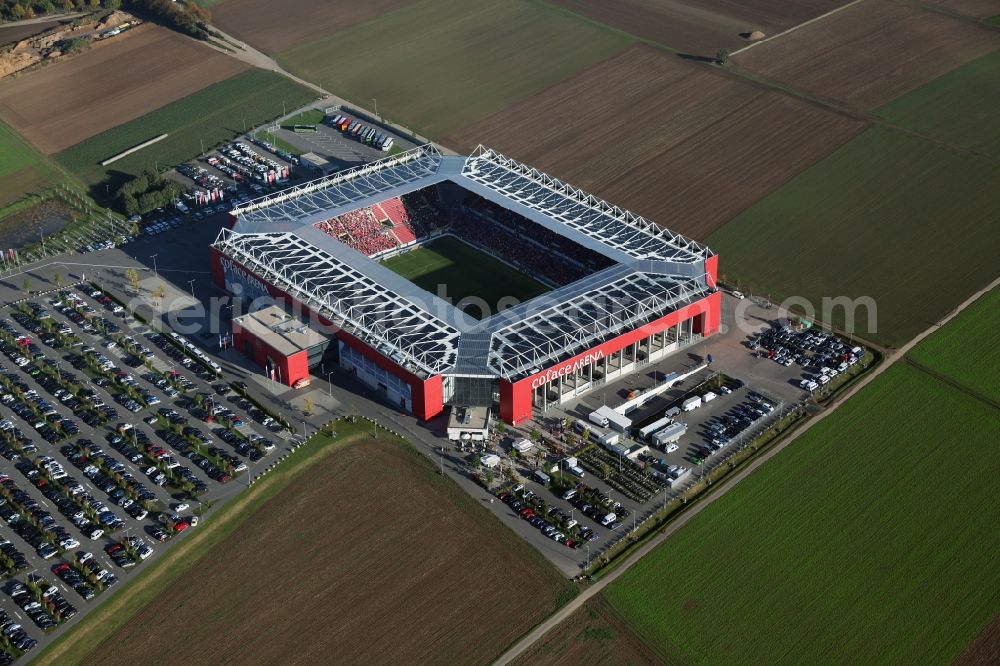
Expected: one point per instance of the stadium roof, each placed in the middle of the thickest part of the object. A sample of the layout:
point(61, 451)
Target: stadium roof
point(656, 270)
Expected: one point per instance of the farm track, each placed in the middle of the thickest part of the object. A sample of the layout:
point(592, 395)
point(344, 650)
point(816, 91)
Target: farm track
point(975, 395)
point(566, 611)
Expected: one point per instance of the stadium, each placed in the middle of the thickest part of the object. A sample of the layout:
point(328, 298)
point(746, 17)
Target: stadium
point(473, 281)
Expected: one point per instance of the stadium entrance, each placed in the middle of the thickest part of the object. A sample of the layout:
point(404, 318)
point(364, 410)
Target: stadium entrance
point(472, 391)
point(564, 383)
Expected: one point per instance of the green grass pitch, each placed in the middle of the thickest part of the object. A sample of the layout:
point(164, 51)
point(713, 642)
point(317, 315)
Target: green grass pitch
point(449, 268)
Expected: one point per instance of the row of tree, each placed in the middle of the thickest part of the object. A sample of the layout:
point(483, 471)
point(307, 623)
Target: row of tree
point(15, 10)
point(187, 18)
point(147, 191)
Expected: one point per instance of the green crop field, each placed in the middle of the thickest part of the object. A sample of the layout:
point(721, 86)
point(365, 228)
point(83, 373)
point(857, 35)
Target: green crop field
point(23, 170)
point(902, 220)
point(871, 539)
point(959, 108)
point(436, 65)
point(967, 350)
point(210, 116)
point(464, 272)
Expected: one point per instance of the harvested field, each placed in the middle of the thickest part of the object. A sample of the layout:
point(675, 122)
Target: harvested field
point(277, 26)
point(846, 548)
point(904, 221)
point(896, 46)
point(591, 635)
point(368, 555)
point(700, 146)
point(959, 108)
point(14, 32)
point(60, 105)
point(700, 28)
point(436, 65)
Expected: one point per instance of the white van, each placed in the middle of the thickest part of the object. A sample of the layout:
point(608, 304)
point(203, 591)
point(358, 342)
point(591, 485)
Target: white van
point(608, 519)
point(599, 419)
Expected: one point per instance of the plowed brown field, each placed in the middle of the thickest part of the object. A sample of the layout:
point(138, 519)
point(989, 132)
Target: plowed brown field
point(704, 26)
point(686, 145)
point(591, 635)
point(869, 54)
point(60, 105)
point(276, 26)
point(368, 557)
point(13, 32)
point(976, 8)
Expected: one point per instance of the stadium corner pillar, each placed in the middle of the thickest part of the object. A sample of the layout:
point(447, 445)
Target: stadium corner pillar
point(516, 398)
point(712, 270)
point(218, 273)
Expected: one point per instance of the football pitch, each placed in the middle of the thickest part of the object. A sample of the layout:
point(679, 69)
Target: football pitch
point(454, 271)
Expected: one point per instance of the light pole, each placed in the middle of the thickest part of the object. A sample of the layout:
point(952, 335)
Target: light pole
point(153, 257)
point(191, 284)
point(329, 383)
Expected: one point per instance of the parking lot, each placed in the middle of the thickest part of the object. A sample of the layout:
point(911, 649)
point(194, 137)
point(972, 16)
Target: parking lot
point(114, 439)
point(568, 516)
point(341, 148)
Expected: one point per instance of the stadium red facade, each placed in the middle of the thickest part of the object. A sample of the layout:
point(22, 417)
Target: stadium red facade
point(515, 397)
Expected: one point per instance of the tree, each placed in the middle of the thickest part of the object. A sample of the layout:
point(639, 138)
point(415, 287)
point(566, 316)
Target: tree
point(586, 434)
point(112, 4)
point(502, 429)
point(58, 280)
point(536, 435)
point(159, 293)
point(722, 56)
point(26, 286)
point(489, 477)
point(132, 276)
point(605, 470)
point(307, 406)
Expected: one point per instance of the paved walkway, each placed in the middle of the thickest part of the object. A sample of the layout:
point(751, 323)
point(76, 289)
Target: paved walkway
point(538, 632)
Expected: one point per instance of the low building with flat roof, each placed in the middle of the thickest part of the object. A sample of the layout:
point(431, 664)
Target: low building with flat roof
point(285, 347)
point(468, 424)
